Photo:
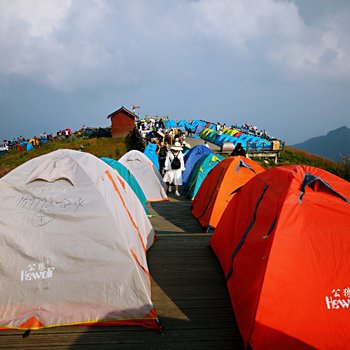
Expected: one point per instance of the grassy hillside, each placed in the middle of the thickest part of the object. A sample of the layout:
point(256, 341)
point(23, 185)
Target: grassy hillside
point(100, 147)
point(292, 155)
point(115, 148)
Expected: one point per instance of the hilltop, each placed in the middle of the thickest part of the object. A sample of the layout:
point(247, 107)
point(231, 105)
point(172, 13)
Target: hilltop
point(335, 145)
point(115, 148)
point(100, 147)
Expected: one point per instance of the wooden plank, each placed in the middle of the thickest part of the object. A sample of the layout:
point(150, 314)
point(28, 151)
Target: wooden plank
point(199, 313)
point(118, 335)
point(201, 304)
point(174, 216)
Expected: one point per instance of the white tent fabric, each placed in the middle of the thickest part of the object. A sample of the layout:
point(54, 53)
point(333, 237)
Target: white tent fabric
point(73, 240)
point(146, 175)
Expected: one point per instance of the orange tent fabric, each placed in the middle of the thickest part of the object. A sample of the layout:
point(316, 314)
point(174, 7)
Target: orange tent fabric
point(220, 185)
point(284, 246)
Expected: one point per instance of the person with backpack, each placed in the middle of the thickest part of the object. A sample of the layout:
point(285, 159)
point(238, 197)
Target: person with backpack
point(174, 166)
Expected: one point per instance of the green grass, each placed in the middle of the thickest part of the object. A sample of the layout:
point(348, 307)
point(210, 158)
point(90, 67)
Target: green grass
point(100, 147)
point(294, 156)
point(291, 155)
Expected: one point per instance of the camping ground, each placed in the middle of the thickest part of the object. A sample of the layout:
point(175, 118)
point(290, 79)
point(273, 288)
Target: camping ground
point(188, 291)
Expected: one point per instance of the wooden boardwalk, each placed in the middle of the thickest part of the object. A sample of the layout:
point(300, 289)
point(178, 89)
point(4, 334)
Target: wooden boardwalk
point(189, 289)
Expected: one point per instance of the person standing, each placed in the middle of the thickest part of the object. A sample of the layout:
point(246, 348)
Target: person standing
point(162, 153)
point(174, 166)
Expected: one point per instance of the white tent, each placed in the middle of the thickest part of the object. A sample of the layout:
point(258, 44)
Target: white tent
point(146, 175)
point(73, 241)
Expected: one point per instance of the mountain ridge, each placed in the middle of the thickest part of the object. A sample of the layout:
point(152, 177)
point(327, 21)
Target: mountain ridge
point(335, 145)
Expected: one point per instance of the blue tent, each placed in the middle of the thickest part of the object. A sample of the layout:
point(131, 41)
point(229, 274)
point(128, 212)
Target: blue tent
point(28, 146)
point(200, 170)
point(187, 125)
point(130, 179)
point(220, 139)
point(258, 143)
point(170, 123)
point(150, 152)
point(195, 123)
point(182, 128)
point(199, 128)
point(43, 140)
point(191, 158)
point(243, 139)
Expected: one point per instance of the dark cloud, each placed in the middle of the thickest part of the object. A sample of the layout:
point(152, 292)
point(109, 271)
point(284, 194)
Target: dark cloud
point(276, 64)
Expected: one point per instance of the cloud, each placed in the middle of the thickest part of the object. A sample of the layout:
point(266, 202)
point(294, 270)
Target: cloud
point(74, 44)
point(40, 18)
point(241, 23)
point(321, 51)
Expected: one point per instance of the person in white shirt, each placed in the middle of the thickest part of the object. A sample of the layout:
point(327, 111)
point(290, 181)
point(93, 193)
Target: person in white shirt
point(174, 166)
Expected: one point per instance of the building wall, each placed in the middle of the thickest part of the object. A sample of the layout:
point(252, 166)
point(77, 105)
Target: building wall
point(122, 124)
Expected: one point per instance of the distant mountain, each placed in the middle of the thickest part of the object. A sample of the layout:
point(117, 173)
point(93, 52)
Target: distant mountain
point(335, 145)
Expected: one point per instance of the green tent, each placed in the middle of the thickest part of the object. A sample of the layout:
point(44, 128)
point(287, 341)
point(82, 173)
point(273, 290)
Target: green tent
point(205, 132)
point(211, 136)
point(129, 178)
point(232, 132)
point(200, 170)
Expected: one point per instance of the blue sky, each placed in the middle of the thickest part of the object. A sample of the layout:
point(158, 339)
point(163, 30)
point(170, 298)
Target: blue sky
point(281, 65)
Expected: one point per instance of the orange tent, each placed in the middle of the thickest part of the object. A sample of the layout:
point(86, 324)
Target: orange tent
point(284, 246)
point(220, 185)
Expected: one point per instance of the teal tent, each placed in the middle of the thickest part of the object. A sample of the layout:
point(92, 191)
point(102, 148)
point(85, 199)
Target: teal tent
point(129, 178)
point(200, 170)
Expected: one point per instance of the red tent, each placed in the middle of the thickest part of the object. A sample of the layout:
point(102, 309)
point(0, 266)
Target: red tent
point(284, 245)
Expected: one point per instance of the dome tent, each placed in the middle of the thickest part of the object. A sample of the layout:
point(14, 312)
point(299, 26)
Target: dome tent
point(146, 175)
point(191, 157)
point(220, 186)
point(199, 172)
point(283, 243)
point(73, 245)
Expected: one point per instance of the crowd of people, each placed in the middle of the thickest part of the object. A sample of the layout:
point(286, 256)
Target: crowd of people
point(170, 144)
point(20, 142)
point(253, 130)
